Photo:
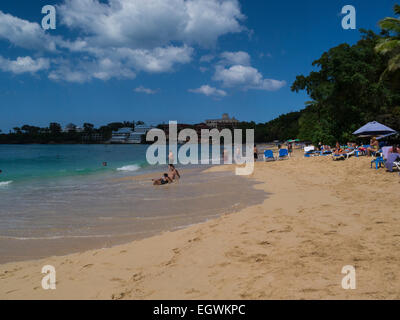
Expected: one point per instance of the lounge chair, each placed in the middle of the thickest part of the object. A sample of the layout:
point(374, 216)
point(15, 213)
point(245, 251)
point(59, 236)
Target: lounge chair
point(308, 149)
point(397, 165)
point(269, 155)
point(350, 153)
point(379, 161)
point(341, 156)
point(283, 154)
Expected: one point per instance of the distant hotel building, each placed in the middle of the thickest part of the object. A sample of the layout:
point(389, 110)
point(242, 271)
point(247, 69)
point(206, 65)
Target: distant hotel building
point(130, 136)
point(224, 122)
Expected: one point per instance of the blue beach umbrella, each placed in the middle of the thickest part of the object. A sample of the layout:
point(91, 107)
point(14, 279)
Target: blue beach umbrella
point(373, 128)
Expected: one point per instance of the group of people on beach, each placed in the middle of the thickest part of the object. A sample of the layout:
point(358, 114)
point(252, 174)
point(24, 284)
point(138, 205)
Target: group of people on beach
point(370, 150)
point(167, 178)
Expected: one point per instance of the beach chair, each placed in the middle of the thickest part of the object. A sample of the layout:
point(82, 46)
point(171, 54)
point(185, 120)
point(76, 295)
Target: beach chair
point(269, 155)
point(350, 153)
point(336, 157)
point(397, 165)
point(283, 154)
point(326, 153)
point(378, 161)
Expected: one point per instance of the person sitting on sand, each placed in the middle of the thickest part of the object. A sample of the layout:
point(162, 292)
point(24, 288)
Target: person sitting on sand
point(374, 147)
point(164, 180)
point(173, 174)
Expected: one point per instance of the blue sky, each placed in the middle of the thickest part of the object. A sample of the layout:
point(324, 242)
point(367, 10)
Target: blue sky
point(161, 60)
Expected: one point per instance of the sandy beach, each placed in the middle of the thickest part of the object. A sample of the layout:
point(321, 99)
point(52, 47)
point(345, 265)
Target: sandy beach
point(319, 216)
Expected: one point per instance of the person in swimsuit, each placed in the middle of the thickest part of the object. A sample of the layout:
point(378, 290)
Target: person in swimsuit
point(173, 174)
point(255, 152)
point(164, 180)
point(374, 146)
point(338, 150)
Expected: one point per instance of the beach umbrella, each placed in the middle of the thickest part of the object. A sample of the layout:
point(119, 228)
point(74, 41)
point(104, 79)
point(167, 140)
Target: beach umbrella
point(386, 136)
point(373, 128)
point(393, 135)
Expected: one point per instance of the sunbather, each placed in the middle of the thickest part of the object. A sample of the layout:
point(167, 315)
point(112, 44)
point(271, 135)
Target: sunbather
point(173, 174)
point(338, 150)
point(374, 147)
point(164, 180)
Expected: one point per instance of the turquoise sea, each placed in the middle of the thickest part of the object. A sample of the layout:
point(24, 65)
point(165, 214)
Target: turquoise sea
point(58, 198)
point(24, 163)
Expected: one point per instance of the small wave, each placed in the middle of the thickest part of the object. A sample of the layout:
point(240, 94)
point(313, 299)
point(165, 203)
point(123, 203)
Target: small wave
point(89, 236)
point(5, 183)
point(132, 167)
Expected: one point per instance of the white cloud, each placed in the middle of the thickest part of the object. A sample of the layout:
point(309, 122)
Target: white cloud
point(209, 91)
point(24, 65)
point(25, 34)
point(234, 58)
point(246, 77)
point(235, 70)
point(142, 89)
point(152, 23)
point(86, 70)
point(156, 60)
point(119, 38)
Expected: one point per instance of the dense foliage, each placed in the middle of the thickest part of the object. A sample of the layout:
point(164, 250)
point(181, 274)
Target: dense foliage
point(352, 85)
point(54, 133)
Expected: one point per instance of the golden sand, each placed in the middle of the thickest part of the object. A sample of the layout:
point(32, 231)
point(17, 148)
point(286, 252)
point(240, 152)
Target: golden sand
point(320, 215)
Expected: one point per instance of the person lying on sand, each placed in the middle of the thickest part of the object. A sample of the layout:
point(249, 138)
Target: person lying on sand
point(173, 174)
point(164, 180)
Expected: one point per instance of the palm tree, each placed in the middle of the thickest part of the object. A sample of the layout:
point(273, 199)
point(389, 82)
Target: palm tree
point(391, 45)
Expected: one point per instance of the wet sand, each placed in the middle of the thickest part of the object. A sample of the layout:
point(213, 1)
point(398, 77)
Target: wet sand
point(137, 210)
point(319, 216)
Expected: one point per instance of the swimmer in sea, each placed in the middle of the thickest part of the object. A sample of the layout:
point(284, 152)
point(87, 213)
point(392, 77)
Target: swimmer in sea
point(164, 180)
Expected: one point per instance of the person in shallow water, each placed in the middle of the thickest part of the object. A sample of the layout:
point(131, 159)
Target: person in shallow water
point(164, 180)
point(173, 174)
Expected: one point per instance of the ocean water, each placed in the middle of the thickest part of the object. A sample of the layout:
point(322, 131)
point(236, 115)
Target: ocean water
point(57, 199)
point(24, 163)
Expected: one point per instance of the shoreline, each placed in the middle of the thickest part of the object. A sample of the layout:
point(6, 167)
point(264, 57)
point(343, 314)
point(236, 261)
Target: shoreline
point(319, 216)
point(144, 221)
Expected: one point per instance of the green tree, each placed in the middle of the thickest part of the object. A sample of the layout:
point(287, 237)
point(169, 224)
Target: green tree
point(390, 45)
point(346, 91)
point(55, 128)
point(88, 127)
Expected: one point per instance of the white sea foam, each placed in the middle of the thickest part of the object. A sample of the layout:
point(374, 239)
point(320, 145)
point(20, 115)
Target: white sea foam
point(132, 167)
point(5, 183)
